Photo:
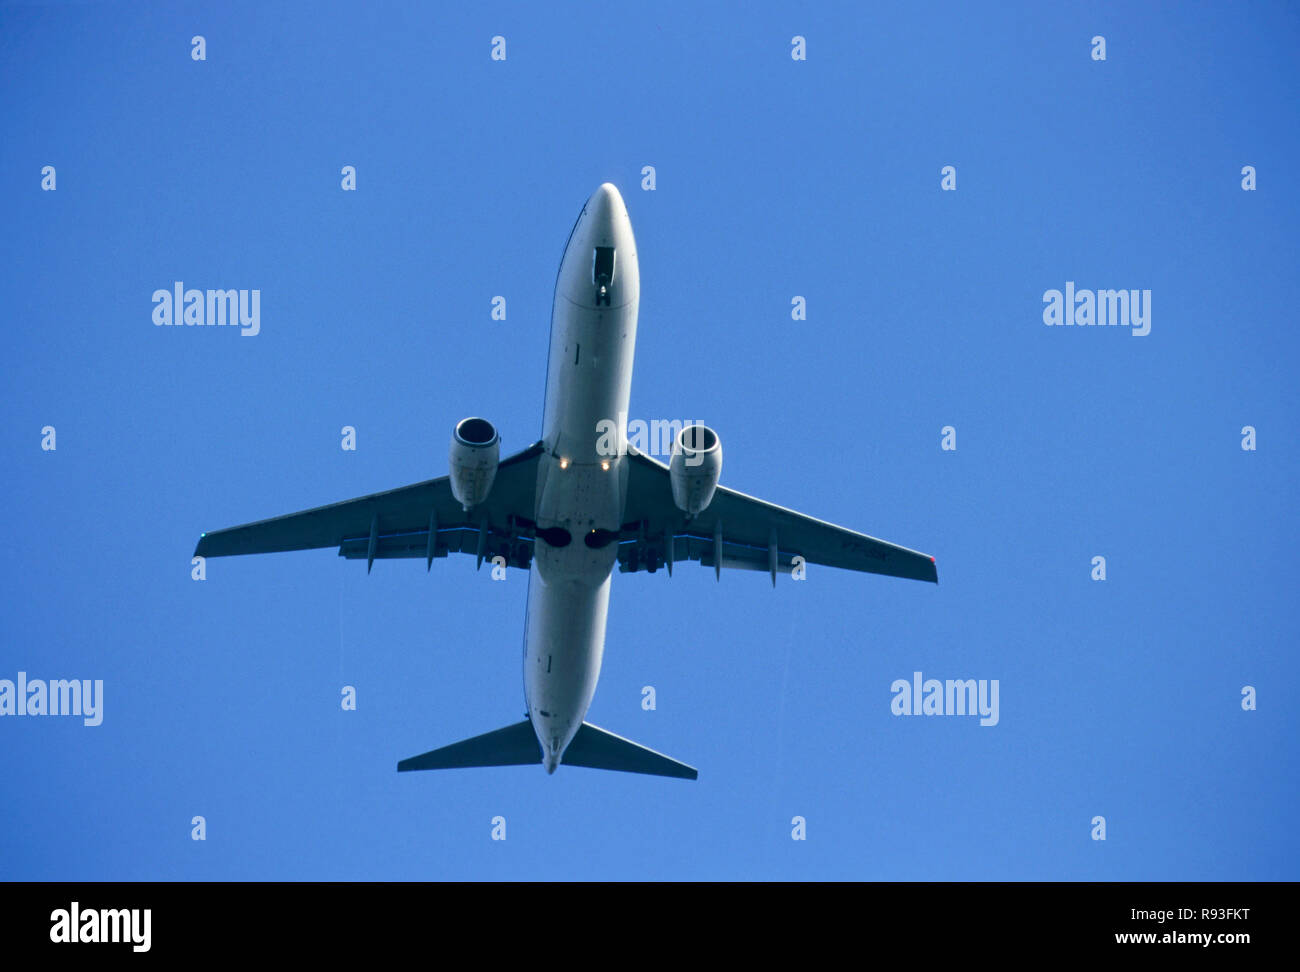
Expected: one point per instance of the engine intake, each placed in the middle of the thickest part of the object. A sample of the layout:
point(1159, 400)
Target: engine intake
point(475, 453)
point(695, 467)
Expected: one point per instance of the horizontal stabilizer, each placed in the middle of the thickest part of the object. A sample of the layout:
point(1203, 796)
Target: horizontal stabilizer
point(601, 749)
point(517, 745)
point(514, 745)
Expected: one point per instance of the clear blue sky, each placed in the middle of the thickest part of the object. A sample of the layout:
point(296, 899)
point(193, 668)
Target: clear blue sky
point(775, 178)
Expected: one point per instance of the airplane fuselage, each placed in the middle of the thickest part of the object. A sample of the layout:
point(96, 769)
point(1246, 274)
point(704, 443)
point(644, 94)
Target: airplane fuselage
point(581, 485)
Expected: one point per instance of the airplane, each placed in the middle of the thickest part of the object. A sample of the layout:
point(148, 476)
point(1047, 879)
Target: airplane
point(571, 507)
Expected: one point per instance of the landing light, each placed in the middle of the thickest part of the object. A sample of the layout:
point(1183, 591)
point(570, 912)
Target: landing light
point(604, 464)
point(564, 463)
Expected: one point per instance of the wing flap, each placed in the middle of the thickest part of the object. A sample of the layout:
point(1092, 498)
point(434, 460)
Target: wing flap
point(516, 548)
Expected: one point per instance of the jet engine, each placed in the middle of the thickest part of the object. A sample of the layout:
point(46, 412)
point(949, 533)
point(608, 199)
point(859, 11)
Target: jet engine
point(475, 452)
point(695, 466)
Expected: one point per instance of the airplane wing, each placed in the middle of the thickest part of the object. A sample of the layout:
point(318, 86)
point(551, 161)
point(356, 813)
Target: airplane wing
point(421, 520)
point(740, 531)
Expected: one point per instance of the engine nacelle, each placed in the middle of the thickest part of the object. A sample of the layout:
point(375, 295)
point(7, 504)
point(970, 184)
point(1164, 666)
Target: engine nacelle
point(695, 467)
point(475, 452)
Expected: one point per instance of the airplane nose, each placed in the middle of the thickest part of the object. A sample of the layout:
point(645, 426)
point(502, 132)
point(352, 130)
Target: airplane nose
point(599, 267)
point(605, 203)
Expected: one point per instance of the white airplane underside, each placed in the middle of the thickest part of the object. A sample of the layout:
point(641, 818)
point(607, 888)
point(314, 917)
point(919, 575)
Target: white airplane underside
point(570, 508)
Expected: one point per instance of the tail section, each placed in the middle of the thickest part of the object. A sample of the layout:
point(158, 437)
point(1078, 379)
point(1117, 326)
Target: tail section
point(516, 745)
